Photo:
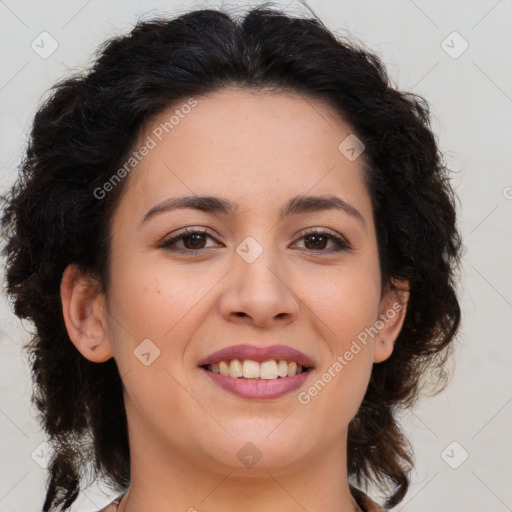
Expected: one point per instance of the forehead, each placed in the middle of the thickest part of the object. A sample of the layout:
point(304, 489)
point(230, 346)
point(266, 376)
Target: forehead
point(254, 146)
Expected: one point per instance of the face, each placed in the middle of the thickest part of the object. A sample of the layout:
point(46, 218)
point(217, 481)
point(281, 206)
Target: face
point(264, 266)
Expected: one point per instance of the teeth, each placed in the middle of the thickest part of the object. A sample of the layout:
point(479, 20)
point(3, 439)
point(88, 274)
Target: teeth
point(224, 368)
point(249, 369)
point(268, 370)
point(235, 368)
point(282, 368)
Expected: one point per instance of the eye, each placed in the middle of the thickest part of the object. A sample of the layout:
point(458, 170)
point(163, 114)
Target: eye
point(193, 240)
point(317, 240)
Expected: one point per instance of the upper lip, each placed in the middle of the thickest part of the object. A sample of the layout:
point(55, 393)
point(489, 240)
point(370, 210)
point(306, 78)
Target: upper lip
point(258, 353)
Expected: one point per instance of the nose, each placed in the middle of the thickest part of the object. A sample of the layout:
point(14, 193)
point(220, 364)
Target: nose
point(259, 293)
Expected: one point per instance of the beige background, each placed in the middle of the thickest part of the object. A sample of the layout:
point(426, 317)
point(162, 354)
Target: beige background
point(471, 98)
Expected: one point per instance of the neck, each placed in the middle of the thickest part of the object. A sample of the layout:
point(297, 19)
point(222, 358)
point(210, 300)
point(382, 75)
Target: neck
point(166, 481)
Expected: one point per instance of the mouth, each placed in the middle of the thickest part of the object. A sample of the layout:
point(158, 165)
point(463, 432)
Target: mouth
point(258, 372)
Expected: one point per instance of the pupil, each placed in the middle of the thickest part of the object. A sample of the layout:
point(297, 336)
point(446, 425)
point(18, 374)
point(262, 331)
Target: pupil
point(316, 244)
point(196, 238)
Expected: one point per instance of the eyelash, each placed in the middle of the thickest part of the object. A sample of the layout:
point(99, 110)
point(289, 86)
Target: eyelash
point(341, 244)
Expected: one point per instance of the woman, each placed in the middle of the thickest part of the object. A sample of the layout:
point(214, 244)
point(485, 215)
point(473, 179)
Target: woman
point(237, 243)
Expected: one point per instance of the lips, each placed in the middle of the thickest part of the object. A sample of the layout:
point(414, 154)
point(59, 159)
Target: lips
point(260, 354)
point(250, 387)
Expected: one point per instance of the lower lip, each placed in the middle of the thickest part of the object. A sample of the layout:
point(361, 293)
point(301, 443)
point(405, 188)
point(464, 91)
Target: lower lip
point(259, 388)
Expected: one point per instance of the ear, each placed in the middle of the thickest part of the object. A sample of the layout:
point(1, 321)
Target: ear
point(83, 308)
point(392, 310)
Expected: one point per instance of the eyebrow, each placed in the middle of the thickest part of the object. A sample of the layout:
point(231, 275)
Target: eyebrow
point(219, 205)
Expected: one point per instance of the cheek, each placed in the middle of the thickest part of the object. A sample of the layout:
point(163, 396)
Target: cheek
point(153, 301)
point(346, 299)
point(154, 314)
point(344, 305)
point(162, 304)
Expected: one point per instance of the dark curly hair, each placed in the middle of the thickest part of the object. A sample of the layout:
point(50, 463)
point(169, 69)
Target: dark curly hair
point(87, 128)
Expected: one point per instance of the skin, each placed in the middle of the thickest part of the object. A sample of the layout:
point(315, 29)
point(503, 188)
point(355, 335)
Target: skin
point(258, 149)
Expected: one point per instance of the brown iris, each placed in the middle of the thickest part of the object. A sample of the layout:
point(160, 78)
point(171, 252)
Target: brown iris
point(317, 244)
point(196, 239)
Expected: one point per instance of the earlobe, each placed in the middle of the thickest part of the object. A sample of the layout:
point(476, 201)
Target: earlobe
point(392, 311)
point(83, 309)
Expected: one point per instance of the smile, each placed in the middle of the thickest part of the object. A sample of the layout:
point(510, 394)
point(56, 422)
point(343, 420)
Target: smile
point(264, 380)
point(250, 369)
point(256, 371)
